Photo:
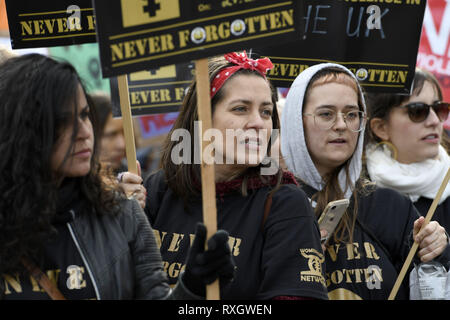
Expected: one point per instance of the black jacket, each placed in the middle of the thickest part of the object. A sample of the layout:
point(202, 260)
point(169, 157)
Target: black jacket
point(121, 255)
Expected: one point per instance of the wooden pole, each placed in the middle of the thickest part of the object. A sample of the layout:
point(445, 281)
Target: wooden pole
point(207, 170)
point(127, 123)
point(413, 250)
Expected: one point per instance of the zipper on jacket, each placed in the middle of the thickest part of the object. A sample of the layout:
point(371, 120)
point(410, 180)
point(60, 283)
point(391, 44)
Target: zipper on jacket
point(84, 260)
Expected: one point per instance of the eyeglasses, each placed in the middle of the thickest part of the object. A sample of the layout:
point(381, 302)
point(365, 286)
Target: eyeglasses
point(325, 119)
point(419, 111)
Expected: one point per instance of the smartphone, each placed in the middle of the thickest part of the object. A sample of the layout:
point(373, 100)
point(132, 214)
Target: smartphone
point(331, 216)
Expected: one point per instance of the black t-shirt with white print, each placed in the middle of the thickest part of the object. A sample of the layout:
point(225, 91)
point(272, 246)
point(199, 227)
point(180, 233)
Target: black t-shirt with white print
point(285, 259)
point(63, 265)
point(367, 268)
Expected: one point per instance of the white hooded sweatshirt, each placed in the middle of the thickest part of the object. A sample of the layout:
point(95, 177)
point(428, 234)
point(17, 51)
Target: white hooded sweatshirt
point(293, 144)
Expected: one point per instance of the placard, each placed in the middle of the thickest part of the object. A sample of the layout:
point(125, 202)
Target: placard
point(138, 35)
point(48, 23)
point(434, 49)
point(86, 61)
point(378, 41)
point(158, 90)
point(153, 125)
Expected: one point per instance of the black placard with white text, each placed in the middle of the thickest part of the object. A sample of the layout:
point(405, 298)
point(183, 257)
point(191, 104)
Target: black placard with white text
point(378, 41)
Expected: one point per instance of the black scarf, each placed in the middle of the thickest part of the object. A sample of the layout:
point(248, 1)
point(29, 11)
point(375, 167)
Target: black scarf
point(69, 200)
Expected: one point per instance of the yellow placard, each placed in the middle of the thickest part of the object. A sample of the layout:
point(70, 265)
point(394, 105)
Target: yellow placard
point(138, 12)
point(161, 73)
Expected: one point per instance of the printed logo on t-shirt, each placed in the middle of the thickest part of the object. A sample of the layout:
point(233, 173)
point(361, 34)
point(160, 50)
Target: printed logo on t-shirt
point(357, 270)
point(179, 243)
point(26, 287)
point(371, 276)
point(315, 260)
point(75, 280)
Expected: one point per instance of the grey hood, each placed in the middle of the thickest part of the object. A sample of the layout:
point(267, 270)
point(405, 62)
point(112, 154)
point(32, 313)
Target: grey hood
point(293, 144)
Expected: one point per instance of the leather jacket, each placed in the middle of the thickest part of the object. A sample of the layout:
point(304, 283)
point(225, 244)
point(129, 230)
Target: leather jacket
point(121, 255)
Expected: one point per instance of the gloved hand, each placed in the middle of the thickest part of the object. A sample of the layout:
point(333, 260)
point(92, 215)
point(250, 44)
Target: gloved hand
point(203, 267)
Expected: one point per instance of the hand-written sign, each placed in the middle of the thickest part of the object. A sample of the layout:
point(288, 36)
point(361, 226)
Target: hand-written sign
point(136, 35)
point(378, 41)
point(158, 90)
point(46, 23)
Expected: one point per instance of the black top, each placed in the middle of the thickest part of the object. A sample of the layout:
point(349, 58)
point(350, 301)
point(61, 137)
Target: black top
point(441, 214)
point(368, 267)
point(281, 257)
point(63, 265)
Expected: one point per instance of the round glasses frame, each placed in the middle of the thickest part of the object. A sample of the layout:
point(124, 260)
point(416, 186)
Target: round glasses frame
point(328, 124)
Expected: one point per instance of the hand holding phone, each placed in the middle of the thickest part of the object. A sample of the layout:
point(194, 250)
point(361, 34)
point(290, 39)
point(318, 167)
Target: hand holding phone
point(331, 216)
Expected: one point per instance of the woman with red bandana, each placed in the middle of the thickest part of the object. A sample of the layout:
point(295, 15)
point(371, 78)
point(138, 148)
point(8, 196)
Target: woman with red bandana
point(277, 252)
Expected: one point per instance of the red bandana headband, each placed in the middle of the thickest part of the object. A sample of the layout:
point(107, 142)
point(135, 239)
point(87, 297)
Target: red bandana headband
point(241, 61)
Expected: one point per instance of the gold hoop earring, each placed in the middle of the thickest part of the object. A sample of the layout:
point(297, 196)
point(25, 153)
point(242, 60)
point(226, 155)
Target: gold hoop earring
point(393, 149)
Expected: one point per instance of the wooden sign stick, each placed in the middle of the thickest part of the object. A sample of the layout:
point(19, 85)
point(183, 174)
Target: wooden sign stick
point(413, 250)
point(127, 123)
point(207, 170)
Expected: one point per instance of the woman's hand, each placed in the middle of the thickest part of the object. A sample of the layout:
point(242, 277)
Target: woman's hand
point(131, 185)
point(432, 239)
point(204, 266)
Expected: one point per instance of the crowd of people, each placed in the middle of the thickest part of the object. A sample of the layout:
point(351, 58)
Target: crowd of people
point(75, 223)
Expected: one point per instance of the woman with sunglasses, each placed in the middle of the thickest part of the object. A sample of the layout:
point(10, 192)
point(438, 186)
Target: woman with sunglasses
point(405, 148)
point(322, 131)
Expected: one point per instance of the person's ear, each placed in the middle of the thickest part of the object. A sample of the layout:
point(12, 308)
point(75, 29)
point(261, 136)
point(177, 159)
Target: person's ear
point(379, 128)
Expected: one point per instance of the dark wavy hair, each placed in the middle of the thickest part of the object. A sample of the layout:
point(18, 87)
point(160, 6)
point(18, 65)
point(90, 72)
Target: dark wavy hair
point(184, 179)
point(38, 98)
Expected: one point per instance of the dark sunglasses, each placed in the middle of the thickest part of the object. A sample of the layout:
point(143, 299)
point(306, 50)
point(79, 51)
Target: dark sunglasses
point(419, 111)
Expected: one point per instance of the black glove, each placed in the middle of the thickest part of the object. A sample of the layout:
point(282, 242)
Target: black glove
point(203, 267)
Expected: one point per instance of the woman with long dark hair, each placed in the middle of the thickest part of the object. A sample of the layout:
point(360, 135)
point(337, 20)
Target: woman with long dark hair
point(57, 217)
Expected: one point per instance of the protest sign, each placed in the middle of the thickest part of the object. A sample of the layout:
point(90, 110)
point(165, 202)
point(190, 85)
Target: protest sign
point(86, 60)
point(48, 23)
point(434, 49)
point(136, 35)
point(153, 125)
point(378, 41)
point(152, 91)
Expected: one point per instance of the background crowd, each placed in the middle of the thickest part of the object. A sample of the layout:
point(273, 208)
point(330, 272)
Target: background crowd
point(69, 207)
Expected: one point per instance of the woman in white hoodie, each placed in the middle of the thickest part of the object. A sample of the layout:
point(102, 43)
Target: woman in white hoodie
point(322, 133)
point(405, 148)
